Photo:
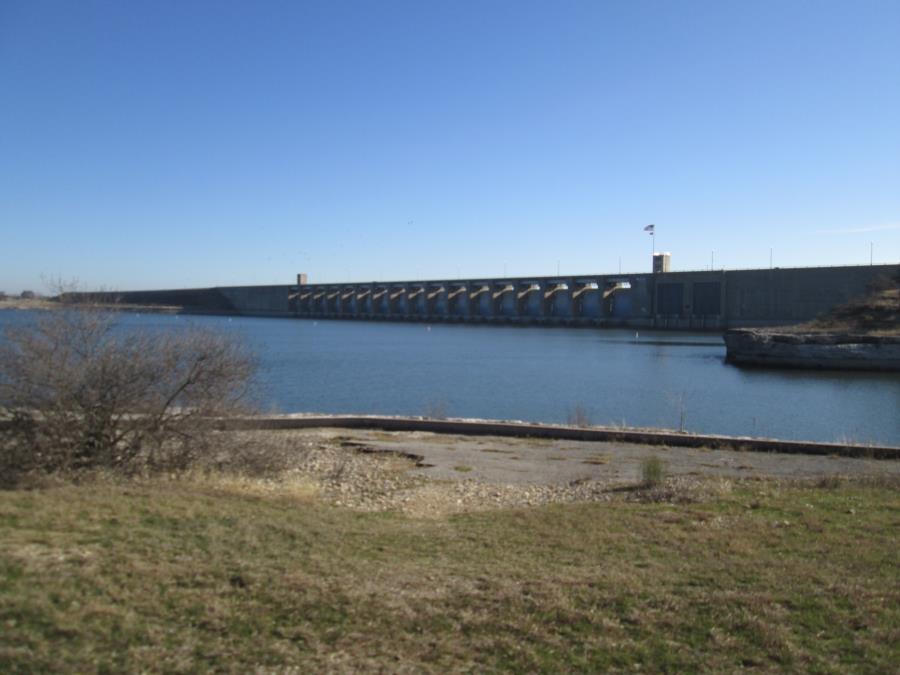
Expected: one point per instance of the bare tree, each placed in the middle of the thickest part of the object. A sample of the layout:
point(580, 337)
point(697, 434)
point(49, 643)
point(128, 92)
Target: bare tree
point(80, 391)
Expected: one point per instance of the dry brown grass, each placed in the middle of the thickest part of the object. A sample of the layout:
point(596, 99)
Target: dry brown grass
point(206, 574)
point(877, 314)
point(28, 303)
point(293, 486)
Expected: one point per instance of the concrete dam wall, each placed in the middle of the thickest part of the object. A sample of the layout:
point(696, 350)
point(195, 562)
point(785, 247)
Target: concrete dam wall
point(703, 300)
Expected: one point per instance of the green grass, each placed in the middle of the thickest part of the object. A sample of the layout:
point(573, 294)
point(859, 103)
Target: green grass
point(175, 576)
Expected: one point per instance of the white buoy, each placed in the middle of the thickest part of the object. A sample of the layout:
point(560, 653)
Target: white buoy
point(635, 335)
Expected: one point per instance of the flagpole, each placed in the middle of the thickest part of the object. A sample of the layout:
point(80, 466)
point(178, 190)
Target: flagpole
point(652, 230)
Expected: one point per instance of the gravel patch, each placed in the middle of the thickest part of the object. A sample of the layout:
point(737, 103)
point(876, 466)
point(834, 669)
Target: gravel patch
point(431, 475)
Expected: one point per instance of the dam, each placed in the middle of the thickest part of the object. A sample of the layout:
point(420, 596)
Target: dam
point(710, 300)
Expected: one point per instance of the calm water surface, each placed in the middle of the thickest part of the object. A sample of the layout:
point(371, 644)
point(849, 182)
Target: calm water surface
point(543, 374)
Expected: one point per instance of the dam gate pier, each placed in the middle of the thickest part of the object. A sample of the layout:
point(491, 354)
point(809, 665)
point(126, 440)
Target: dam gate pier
point(704, 300)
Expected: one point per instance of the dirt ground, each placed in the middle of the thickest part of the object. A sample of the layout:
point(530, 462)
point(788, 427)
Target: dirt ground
point(499, 460)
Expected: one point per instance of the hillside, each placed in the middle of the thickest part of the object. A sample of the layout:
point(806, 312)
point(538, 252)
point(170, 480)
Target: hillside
point(878, 313)
point(860, 335)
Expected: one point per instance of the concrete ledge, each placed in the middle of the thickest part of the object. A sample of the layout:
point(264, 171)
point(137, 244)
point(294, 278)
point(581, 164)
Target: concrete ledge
point(562, 432)
point(465, 427)
point(822, 351)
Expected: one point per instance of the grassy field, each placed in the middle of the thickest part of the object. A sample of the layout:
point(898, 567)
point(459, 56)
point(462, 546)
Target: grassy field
point(187, 576)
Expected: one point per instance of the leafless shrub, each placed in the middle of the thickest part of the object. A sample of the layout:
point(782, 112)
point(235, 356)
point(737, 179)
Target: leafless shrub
point(831, 482)
point(234, 452)
point(579, 416)
point(883, 282)
point(81, 392)
point(653, 471)
point(339, 471)
point(677, 490)
point(679, 402)
point(90, 300)
point(884, 481)
point(436, 409)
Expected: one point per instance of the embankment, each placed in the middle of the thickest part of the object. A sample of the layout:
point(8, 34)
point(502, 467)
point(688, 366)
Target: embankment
point(515, 429)
point(859, 335)
point(817, 351)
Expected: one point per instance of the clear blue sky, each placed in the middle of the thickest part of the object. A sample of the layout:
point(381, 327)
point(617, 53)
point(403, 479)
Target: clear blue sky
point(183, 143)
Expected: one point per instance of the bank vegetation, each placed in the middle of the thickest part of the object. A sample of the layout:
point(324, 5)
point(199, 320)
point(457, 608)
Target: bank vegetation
point(877, 314)
point(140, 539)
point(187, 575)
point(79, 393)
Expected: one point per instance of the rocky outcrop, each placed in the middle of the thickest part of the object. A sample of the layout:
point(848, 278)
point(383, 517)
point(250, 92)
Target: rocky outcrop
point(813, 350)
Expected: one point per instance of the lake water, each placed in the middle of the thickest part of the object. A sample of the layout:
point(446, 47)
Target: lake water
point(650, 379)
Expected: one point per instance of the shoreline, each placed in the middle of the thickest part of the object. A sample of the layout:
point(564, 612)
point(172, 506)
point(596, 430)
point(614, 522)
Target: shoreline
point(549, 431)
point(53, 305)
point(812, 350)
point(519, 429)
